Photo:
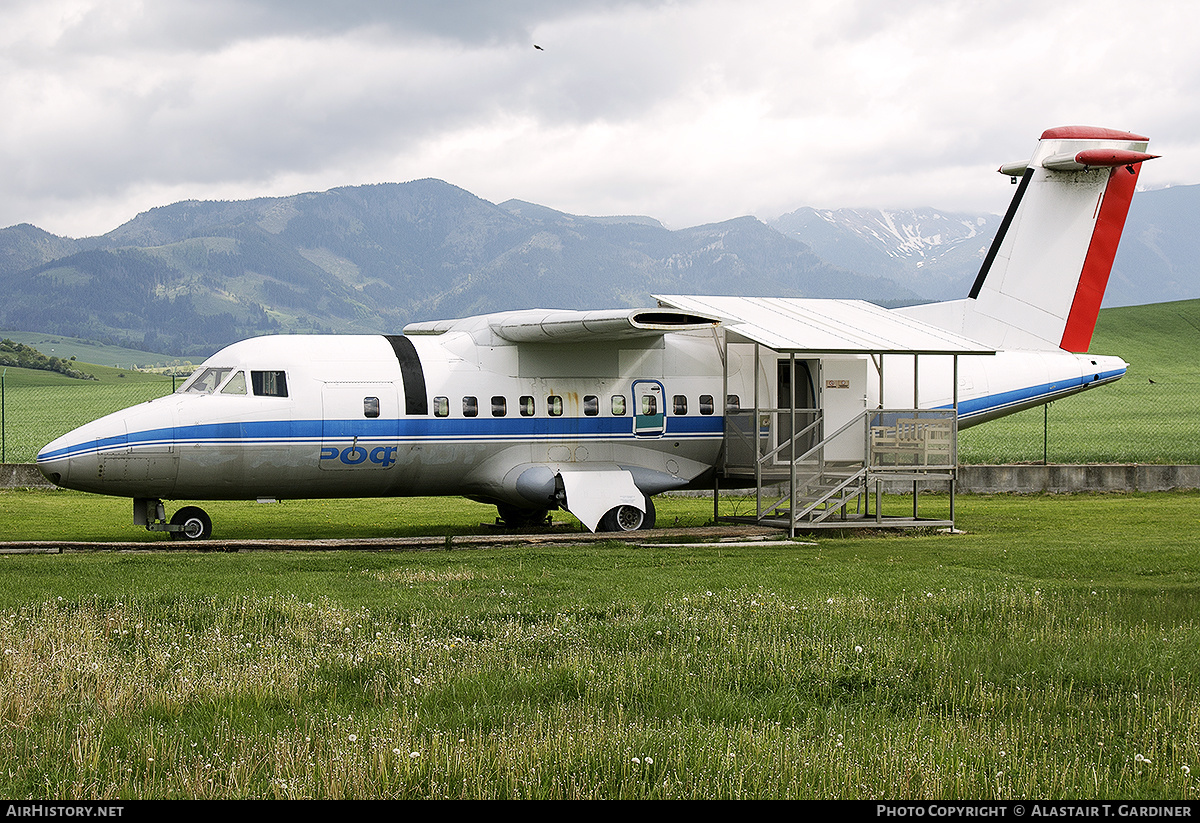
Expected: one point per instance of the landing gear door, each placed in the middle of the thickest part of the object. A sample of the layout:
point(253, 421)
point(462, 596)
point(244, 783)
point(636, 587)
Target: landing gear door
point(649, 418)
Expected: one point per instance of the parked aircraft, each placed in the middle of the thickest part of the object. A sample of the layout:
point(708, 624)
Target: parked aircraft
point(597, 411)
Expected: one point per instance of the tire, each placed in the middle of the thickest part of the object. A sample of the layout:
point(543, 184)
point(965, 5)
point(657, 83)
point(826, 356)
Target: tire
point(195, 522)
point(622, 519)
point(651, 515)
point(515, 517)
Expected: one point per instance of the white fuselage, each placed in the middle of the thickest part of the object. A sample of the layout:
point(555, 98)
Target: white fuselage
point(347, 426)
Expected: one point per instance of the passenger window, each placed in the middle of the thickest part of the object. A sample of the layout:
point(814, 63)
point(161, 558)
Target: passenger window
point(679, 402)
point(618, 404)
point(470, 407)
point(554, 405)
point(441, 407)
point(499, 406)
point(269, 383)
point(528, 407)
point(591, 405)
point(371, 407)
point(733, 404)
point(236, 384)
point(649, 405)
point(706, 404)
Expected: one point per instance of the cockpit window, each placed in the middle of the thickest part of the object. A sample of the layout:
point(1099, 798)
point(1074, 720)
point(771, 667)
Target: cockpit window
point(235, 384)
point(207, 381)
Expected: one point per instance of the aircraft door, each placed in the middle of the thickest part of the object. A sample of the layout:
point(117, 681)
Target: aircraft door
point(797, 384)
point(359, 426)
point(649, 418)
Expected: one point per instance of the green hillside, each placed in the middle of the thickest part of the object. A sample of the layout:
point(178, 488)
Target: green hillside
point(88, 351)
point(1150, 416)
point(1160, 340)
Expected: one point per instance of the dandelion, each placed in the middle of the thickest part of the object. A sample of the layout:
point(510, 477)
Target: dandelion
point(413, 755)
point(1186, 771)
point(353, 738)
point(858, 649)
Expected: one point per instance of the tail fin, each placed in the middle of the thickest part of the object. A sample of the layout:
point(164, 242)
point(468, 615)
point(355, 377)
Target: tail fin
point(1044, 276)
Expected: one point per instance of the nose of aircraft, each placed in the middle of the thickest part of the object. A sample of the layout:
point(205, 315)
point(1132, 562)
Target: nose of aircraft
point(117, 454)
point(52, 466)
point(72, 456)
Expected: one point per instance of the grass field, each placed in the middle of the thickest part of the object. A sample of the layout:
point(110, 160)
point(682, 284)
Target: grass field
point(1052, 651)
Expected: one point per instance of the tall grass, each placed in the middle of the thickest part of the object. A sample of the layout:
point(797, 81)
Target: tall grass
point(1052, 652)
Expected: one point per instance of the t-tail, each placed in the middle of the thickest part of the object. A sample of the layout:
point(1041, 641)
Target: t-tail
point(1043, 279)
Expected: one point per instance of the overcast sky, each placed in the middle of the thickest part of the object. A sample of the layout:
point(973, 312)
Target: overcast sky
point(691, 112)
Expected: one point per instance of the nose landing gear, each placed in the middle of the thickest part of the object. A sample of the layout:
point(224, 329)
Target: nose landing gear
point(189, 523)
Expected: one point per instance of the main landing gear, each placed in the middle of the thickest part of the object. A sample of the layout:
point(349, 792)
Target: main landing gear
point(628, 519)
point(619, 519)
point(514, 517)
point(189, 523)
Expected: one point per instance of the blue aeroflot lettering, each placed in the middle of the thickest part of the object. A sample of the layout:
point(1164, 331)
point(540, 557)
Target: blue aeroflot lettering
point(384, 456)
point(595, 412)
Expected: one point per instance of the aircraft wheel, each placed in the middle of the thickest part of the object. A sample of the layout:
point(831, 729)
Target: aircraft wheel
point(622, 519)
point(517, 518)
point(196, 524)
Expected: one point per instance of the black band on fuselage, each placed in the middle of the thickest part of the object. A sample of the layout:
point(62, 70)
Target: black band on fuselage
point(415, 400)
point(1003, 230)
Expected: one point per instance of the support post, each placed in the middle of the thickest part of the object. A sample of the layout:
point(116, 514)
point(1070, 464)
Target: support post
point(792, 444)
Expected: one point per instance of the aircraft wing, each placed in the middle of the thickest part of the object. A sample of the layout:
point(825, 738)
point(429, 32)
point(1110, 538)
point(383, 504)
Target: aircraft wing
point(564, 326)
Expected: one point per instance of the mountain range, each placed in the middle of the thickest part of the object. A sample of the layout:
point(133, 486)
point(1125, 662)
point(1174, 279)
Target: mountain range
point(187, 278)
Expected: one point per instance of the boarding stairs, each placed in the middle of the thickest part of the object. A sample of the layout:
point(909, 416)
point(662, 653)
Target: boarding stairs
point(810, 481)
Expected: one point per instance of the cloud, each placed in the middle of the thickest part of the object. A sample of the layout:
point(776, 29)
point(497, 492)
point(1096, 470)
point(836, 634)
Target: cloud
point(689, 111)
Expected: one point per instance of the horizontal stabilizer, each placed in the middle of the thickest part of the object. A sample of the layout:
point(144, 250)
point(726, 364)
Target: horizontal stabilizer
point(1095, 159)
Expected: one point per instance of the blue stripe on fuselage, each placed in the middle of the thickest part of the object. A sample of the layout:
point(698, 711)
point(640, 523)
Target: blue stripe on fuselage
point(1032, 394)
point(405, 429)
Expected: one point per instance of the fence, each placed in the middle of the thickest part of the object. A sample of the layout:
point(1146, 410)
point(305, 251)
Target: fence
point(1132, 421)
point(33, 415)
